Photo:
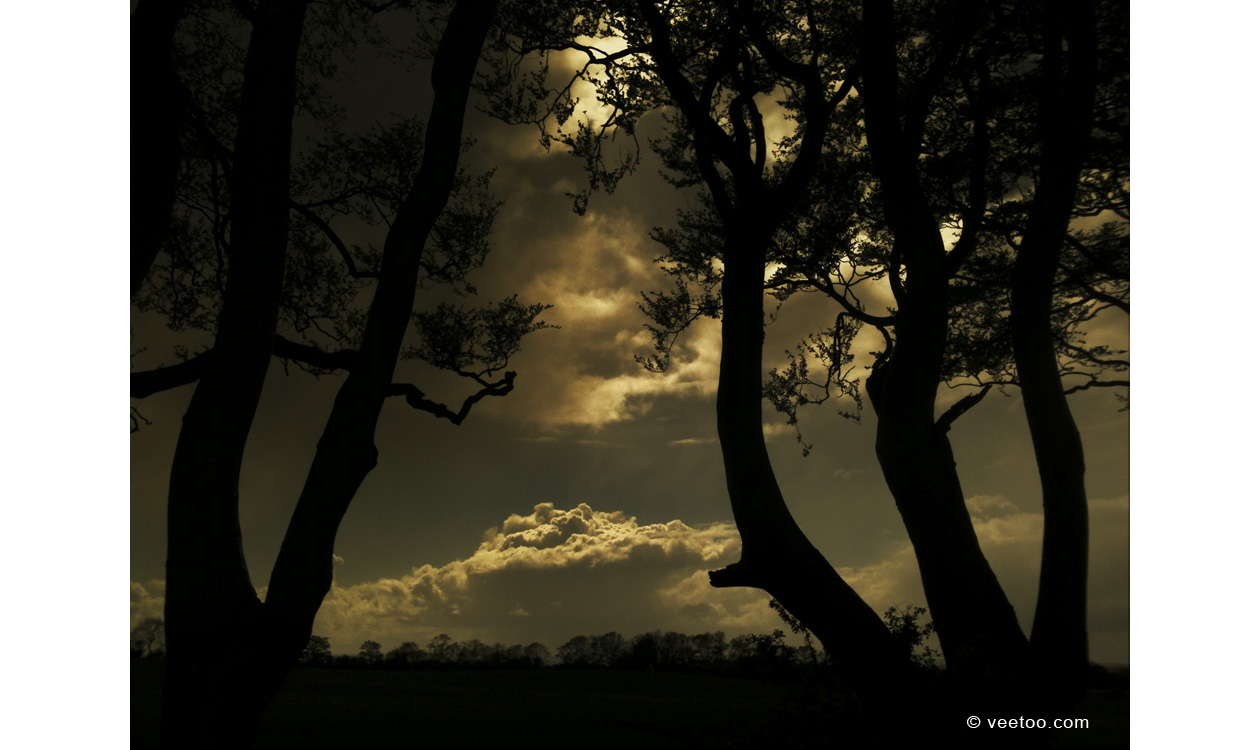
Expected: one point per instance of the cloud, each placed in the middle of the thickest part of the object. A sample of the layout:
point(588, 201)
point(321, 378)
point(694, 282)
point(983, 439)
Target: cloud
point(596, 400)
point(553, 573)
point(148, 600)
point(549, 575)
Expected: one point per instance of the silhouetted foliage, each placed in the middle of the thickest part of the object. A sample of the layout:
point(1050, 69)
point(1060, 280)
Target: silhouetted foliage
point(317, 652)
point(370, 652)
point(903, 623)
point(148, 638)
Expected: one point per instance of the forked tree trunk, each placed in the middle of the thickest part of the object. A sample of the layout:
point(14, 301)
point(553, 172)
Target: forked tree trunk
point(212, 693)
point(214, 698)
point(347, 450)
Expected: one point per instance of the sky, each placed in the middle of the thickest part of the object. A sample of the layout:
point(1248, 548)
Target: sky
point(592, 498)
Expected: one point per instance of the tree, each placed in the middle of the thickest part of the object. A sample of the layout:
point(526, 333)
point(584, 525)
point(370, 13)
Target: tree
point(407, 653)
point(148, 638)
point(317, 651)
point(1005, 125)
point(238, 266)
point(370, 652)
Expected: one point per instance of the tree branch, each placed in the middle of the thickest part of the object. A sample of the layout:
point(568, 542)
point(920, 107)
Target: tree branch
point(328, 232)
point(415, 398)
point(973, 212)
point(342, 359)
point(960, 408)
point(1097, 384)
point(148, 382)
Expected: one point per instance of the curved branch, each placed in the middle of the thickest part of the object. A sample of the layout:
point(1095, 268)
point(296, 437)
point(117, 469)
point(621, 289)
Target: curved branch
point(853, 310)
point(960, 407)
point(328, 232)
point(415, 398)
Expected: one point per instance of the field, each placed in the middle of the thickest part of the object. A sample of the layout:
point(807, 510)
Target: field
point(326, 708)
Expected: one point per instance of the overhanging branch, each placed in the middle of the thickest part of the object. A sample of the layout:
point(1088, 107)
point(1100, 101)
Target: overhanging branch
point(415, 398)
point(148, 382)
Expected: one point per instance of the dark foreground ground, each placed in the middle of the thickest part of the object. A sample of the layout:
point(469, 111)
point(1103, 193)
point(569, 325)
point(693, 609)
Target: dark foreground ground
point(328, 708)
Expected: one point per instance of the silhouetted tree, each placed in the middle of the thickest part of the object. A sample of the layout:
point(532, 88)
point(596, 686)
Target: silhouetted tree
point(1005, 124)
point(148, 638)
point(370, 652)
point(408, 653)
point(442, 649)
point(318, 652)
point(237, 265)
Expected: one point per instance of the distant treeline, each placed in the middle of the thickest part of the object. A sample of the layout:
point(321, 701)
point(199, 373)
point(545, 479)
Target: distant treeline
point(666, 651)
point(751, 655)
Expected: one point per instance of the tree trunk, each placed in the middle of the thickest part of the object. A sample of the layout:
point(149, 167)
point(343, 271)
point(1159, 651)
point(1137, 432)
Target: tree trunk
point(212, 691)
point(1060, 643)
point(347, 451)
point(155, 135)
point(777, 556)
point(980, 635)
point(252, 646)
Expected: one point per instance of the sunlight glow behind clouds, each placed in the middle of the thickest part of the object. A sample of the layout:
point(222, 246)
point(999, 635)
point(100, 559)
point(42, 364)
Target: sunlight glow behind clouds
point(596, 401)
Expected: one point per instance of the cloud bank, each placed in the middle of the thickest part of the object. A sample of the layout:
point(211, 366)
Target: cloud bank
point(553, 573)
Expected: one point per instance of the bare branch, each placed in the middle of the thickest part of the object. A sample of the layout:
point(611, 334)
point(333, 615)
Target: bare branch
point(137, 418)
point(960, 407)
point(148, 382)
point(343, 359)
point(1097, 384)
point(415, 398)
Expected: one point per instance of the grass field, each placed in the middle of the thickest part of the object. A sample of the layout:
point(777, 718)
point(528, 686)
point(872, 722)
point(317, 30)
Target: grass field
point(327, 708)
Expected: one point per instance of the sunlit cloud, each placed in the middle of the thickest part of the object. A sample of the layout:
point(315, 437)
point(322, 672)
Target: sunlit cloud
point(595, 401)
point(148, 600)
point(547, 575)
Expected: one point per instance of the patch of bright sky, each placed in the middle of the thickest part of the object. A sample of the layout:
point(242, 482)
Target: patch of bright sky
point(589, 106)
